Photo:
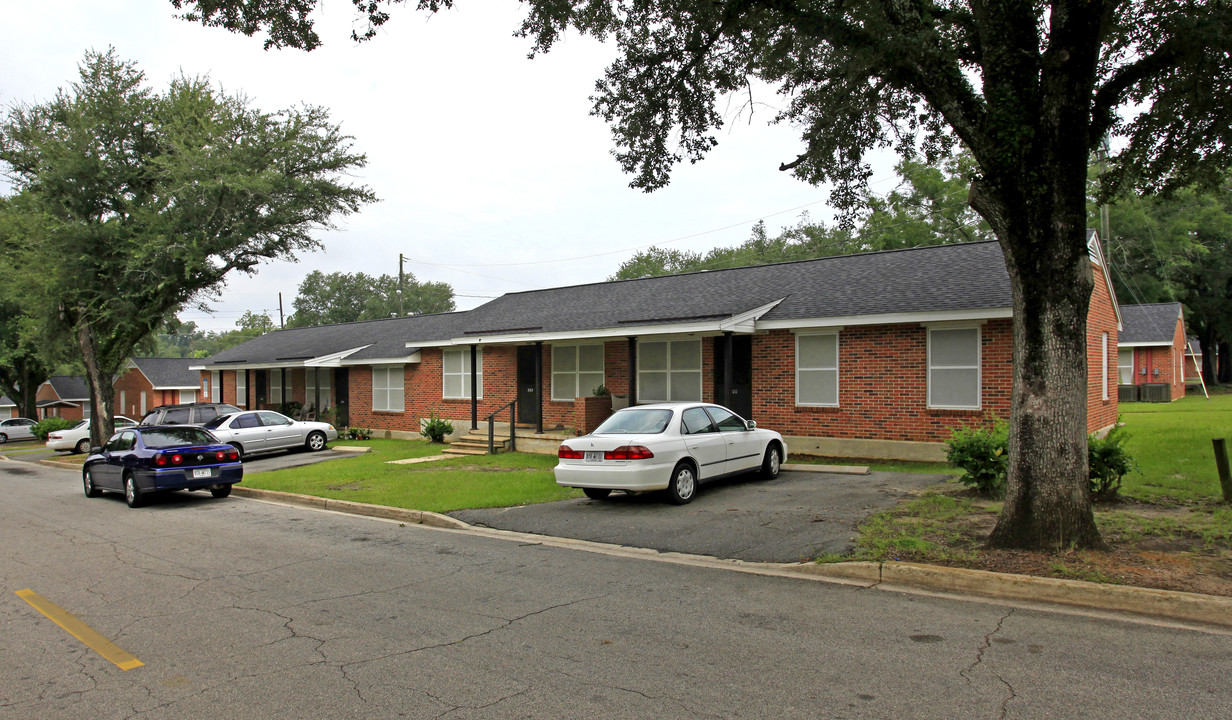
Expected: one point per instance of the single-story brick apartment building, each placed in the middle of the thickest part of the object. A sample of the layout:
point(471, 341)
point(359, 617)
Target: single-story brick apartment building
point(870, 355)
point(1151, 352)
point(147, 383)
point(65, 396)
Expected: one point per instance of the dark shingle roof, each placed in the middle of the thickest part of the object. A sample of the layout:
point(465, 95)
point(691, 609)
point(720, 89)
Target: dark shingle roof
point(6, 402)
point(968, 276)
point(380, 339)
point(70, 387)
point(1154, 323)
point(169, 372)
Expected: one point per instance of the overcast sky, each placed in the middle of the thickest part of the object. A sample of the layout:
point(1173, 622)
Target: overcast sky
point(492, 175)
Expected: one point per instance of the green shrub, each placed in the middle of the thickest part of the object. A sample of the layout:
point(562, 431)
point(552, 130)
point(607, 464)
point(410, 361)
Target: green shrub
point(435, 428)
point(981, 454)
point(1108, 461)
point(43, 428)
point(359, 433)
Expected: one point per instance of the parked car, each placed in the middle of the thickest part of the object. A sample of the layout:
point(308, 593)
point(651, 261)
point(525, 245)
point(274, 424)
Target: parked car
point(141, 460)
point(16, 429)
point(667, 446)
point(187, 413)
point(260, 431)
point(77, 438)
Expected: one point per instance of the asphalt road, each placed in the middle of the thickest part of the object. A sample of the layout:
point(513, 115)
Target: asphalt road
point(243, 609)
point(795, 517)
point(35, 451)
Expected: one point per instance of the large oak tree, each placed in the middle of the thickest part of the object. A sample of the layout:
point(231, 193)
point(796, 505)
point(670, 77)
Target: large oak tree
point(1029, 88)
point(130, 203)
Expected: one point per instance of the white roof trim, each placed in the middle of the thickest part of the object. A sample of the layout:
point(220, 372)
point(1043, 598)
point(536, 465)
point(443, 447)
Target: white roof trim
point(890, 319)
point(746, 322)
point(1096, 250)
point(1144, 343)
point(709, 326)
point(413, 358)
point(334, 359)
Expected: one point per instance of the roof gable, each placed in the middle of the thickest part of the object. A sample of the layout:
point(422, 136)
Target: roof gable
point(168, 373)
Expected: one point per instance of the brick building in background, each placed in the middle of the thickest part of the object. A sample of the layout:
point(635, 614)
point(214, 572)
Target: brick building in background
point(65, 396)
point(149, 382)
point(1151, 354)
point(870, 355)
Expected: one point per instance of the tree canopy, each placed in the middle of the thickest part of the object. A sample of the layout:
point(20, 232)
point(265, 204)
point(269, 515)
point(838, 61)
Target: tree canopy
point(131, 203)
point(329, 298)
point(1029, 88)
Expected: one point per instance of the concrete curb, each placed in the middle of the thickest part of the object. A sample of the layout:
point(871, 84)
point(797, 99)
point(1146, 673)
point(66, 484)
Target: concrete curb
point(414, 517)
point(1165, 604)
point(835, 469)
point(1171, 604)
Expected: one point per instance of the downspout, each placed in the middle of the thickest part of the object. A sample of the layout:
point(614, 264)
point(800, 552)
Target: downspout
point(727, 369)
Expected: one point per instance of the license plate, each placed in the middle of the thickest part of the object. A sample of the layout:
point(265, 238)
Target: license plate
point(594, 456)
point(201, 472)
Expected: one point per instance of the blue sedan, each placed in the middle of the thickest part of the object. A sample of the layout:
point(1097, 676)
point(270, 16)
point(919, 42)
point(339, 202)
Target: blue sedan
point(147, 459)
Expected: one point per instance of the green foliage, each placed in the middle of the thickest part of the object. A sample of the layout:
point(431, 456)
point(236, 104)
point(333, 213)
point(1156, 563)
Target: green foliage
point(1108, 462)
point(601, 391)
point(358, 433)
point(331, 298)
point(133, 203)
point(46, 426)
point(435, 428)
point(291, 408)
point(982, 454)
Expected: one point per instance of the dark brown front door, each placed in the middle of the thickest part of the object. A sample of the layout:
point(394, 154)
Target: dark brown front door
point(528, 385)
point(739, 398)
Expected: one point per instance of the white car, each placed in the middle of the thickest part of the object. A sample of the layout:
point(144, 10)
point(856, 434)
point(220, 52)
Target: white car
point(667, 446)
point(259, 431)
point(16, 429)
point(77, 438)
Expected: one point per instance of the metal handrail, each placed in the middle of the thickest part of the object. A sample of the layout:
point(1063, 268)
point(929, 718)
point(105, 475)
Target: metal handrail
point(513, 438)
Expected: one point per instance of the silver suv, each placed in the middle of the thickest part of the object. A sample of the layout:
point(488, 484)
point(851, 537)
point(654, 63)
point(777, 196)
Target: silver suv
point(187, 414)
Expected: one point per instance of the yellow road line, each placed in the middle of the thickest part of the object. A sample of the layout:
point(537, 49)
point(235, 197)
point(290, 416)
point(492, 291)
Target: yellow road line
point(80, 630)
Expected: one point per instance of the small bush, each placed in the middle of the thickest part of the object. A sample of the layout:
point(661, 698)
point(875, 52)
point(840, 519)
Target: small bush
point(601, 391)
point(359, 433)
point(981, 454)
point(435, 428)
point(1108, 461)
point(45, 427)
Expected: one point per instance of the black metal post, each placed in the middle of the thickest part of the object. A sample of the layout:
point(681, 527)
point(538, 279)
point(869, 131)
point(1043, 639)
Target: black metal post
point(538, 385)
point(474, 389)
point(727, 370)
point(632, 371)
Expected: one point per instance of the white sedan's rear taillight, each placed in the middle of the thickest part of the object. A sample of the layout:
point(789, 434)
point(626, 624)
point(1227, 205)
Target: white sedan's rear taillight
point(629, 452)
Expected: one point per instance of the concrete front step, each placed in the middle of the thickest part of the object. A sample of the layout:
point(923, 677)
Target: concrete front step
point(451, 450)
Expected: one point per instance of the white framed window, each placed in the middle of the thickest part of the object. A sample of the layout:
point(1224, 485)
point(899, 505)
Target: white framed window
point(817, 369)
point(216, 391)
point(576, 371)
point(669, 370)
point(273, 381)
point(143, 403)
point(241, 388)
point(387, 394)
point(1103, 355)
point(456, 373)
point(188, 396)
point(318, 378)
point(954, 368)
point(1125, 366)
point(123, 405)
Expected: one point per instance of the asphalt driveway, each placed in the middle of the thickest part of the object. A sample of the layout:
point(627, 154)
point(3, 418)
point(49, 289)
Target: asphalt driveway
point(796, 517)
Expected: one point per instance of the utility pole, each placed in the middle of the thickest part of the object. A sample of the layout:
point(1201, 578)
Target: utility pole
point(282, 322)
point(401, 282)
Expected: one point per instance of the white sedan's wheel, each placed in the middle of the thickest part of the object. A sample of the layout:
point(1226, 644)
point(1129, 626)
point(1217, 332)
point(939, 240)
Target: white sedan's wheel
point(83, 446)
point(772, 464)
point(683, 485)
point(316, 441)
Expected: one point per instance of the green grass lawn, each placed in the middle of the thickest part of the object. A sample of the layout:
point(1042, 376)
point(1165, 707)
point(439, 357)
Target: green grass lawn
point(477, 481)
point(1172, 444)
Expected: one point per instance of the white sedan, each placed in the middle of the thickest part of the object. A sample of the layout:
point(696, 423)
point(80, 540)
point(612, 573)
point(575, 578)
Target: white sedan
point(667, 446)
point(77, 438)
point(259, 431)
point(16, 429)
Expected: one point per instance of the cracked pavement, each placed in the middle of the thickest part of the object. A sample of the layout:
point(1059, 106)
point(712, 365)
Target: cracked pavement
point(242, 609)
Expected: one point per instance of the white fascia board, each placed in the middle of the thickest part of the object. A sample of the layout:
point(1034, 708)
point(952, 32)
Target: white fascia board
point(710, 326)
point(412, 359)
point(890, 319)
point(334, 359)
point(1095, 248)
point(1144, 343)
point(746, 322)
point(252, 366)
point(175, 387)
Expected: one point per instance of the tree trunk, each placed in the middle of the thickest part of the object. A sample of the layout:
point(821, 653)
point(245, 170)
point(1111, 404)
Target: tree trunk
point(1223, 364)
point(1206, 342)
point(102, 392)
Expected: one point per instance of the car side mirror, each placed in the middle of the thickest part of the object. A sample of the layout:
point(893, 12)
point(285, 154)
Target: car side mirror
point(750, 424)
point(96, 450)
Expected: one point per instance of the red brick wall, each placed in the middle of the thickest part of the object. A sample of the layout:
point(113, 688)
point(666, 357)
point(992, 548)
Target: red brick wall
point(883, 391)
point(133, 383)
point(46, 393)
point(1101, 318)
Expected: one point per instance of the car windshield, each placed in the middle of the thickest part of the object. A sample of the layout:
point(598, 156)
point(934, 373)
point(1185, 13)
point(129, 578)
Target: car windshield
point(177, 437)
point(635, 422)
